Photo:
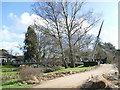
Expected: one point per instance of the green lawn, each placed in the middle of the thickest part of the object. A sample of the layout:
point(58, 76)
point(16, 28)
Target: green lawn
point(15, 84)
point(7, 74)
point(8, 70)
point(7, 66)
point(79, 68)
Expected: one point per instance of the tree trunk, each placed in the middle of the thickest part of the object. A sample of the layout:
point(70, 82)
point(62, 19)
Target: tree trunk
point(63, 57)
point(64, 61)
point(72, 65)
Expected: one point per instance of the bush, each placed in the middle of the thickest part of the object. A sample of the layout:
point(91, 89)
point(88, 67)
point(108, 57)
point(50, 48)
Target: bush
point(27, 73)
point(90, 63)
point(22, 66)
point(7, 63)
point(117, 64)
point(51, 69)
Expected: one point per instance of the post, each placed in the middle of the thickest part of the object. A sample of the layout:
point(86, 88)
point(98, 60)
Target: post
point(97, 41)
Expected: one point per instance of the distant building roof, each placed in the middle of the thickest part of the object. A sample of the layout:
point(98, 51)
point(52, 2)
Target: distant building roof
point(2, 56)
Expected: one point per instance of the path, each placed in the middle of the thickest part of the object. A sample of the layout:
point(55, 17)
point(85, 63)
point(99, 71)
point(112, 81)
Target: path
point(75, 80)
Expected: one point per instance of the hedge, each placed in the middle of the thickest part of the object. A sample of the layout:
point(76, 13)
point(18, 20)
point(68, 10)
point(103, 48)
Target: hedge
point(90, 63)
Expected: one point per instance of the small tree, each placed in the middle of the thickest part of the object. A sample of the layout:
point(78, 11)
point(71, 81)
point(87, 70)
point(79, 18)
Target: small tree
point(30, 48)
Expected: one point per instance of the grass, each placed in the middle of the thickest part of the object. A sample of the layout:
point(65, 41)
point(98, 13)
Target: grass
point(10, 71)
point(15, 84)
point(7, 66)
point(12, 83)
point(7, 74)
point(79, 68)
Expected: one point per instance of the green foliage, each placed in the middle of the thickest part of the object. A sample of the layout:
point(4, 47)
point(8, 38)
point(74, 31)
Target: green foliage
point(14, 83)
point(106, 50)
point(80, 68)
point(7, 63)
point(109, 46)
point(6, 66)
point(111, 52)
point(8, 74)
point(51, 69)
point(30, 48)
point(90, 63)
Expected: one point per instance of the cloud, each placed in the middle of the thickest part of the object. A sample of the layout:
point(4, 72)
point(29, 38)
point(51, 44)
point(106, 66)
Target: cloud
point(110, 36)
point(22, 36)
point(10, 34)
point(21, 23)
point(8, 45)
point(11, 46)
point(6, 35)
point(26, 19)
point(12, 16)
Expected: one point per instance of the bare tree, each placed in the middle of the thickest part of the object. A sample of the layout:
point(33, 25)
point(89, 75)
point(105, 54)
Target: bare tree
point(51, 15)
point(83, 45)
point(64, 22)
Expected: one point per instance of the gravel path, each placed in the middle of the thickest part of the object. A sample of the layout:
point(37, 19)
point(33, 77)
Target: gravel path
point(75, 80)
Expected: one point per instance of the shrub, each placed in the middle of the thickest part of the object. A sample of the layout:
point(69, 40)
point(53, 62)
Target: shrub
point(7, 66)
point(22, 66)
point(51, 69)
point(117, 64)
point(27, 73)
point(90, 63)
point(47, 70)
point(7, 63)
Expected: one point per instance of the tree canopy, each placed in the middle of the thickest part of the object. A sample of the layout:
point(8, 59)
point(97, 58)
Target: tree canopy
point(30, 48)
point(65, 22)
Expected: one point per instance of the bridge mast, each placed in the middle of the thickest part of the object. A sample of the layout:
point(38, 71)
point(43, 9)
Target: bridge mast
point(97, 41)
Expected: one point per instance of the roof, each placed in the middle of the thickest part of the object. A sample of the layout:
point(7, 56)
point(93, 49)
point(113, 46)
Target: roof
point(118, 50)
point(2, 56)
